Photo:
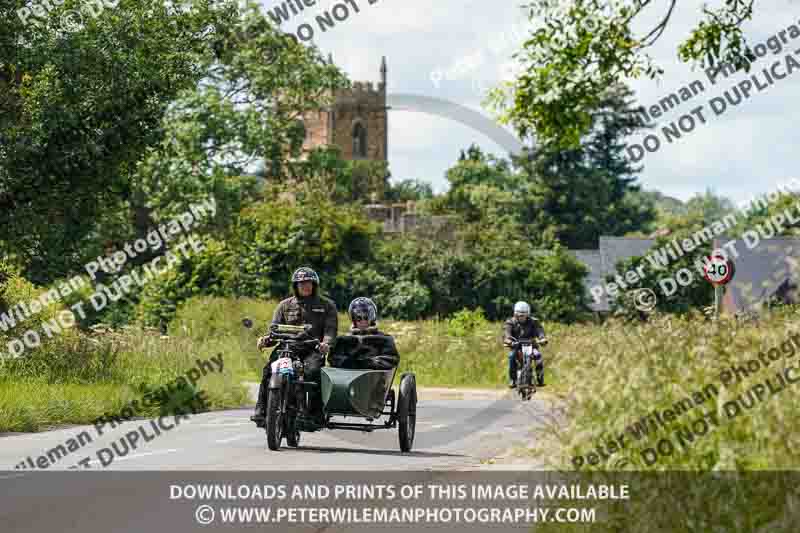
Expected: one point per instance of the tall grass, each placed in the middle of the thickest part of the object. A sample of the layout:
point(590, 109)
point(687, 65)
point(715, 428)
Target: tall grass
point(611, 376)
point(428, 348)
point(77, 378)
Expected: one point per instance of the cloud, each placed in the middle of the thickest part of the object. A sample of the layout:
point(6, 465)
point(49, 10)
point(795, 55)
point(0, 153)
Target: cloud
point(736, 154)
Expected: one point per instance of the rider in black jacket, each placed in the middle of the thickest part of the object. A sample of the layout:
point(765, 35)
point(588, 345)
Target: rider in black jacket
point(523, 326)
point(307, 306)
point(366, 348)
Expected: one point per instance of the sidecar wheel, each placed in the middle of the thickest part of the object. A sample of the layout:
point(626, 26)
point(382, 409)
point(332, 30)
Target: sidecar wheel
point(407, 411)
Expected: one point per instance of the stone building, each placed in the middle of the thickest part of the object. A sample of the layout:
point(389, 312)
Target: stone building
point(356, 122)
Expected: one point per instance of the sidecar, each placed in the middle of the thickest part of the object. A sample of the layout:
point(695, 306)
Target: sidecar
point(368, 394)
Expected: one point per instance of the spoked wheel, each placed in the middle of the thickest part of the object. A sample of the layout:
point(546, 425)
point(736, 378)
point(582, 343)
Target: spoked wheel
point(527, 381)
point(292, 433)
point(407, 411)
point(274, 423)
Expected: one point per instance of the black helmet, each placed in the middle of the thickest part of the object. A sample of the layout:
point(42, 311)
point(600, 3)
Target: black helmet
point(304, 274)
point(363, 309)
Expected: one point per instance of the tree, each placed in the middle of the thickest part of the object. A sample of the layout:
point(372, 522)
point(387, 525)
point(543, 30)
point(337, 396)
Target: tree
point(583, 46)
point(761, 214)
point(483, 188)
point(710, 206)
point(409, 190)
point(110, 129)
point(324, 171)
point(578, 194)
point(73, 128)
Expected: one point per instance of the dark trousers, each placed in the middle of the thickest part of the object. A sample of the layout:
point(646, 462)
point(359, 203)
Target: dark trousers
point(312, 372)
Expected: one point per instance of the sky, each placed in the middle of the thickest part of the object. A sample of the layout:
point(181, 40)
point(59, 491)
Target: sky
point(456, 49)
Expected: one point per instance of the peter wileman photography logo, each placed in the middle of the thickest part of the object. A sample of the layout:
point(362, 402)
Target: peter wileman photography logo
point(71, 19)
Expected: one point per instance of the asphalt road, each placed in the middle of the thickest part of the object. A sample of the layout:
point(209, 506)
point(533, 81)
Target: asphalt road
point(451, 434)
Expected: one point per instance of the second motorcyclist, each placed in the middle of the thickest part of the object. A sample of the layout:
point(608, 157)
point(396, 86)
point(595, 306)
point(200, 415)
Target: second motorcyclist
point(365, 348)
point(523, 326)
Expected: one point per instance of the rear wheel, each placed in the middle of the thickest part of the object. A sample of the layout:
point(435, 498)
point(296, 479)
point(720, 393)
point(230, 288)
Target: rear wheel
point(274, 423)
point(407, 411)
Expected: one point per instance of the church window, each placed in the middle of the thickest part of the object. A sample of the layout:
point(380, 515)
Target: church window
point(359, 140)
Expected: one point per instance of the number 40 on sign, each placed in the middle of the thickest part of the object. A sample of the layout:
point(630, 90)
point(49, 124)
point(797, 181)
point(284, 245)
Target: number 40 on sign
point(718, 270)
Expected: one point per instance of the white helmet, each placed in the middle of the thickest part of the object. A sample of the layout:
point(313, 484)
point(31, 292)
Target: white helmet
point(522, 308)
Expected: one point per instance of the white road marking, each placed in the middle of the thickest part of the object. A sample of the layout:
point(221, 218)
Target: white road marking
point(136, 456)
point(225, 441)
point(439, 426)
point(229, 424)
point(12, 476)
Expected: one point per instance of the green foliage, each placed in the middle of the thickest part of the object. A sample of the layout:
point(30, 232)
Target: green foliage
point(487, 270)
point(408, 300)
point(72, 121)
point(206, 88)
point(324, 173)
point(652, 366)
point(67, 359)
point(408, 190)
point(208, 272)
point(466, 322)
point(581, 47)
point(761, 214)
point(15, 289)
point(690, 298)
point(578, 194)
point(274, 238)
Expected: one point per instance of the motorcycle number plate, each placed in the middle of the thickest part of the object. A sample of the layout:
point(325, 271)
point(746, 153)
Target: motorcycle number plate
point(283, 366)
point(527, 350)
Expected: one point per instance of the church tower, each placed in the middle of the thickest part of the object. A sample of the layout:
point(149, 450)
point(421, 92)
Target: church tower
point(356, 122)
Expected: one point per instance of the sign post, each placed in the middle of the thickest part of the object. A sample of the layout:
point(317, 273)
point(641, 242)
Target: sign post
point(718, 271)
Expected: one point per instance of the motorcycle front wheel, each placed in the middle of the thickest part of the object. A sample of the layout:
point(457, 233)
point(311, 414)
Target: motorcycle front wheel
point(527, 381)
point(274, 423)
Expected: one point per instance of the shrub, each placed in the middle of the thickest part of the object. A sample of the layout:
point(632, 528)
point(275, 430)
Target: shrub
point(208, 272)
point(466, 322)
point(272, 239)
point(408, 300)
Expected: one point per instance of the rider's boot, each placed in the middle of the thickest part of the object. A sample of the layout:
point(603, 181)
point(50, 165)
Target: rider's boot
point(512, 384)
point(258, 414)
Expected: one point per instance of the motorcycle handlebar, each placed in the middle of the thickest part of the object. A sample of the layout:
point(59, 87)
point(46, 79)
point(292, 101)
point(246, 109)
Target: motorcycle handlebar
point(526, 342)
point(291, 339)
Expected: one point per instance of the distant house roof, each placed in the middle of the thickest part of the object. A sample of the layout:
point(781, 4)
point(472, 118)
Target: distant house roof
point(593, 261)
point(770, 269)
point(616, 249)
point(603, 262)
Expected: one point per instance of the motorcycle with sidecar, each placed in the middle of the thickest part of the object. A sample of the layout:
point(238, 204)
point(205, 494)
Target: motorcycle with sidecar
point(365, 395)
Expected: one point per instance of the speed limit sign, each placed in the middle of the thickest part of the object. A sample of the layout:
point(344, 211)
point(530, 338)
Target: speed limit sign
point(718, 270)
